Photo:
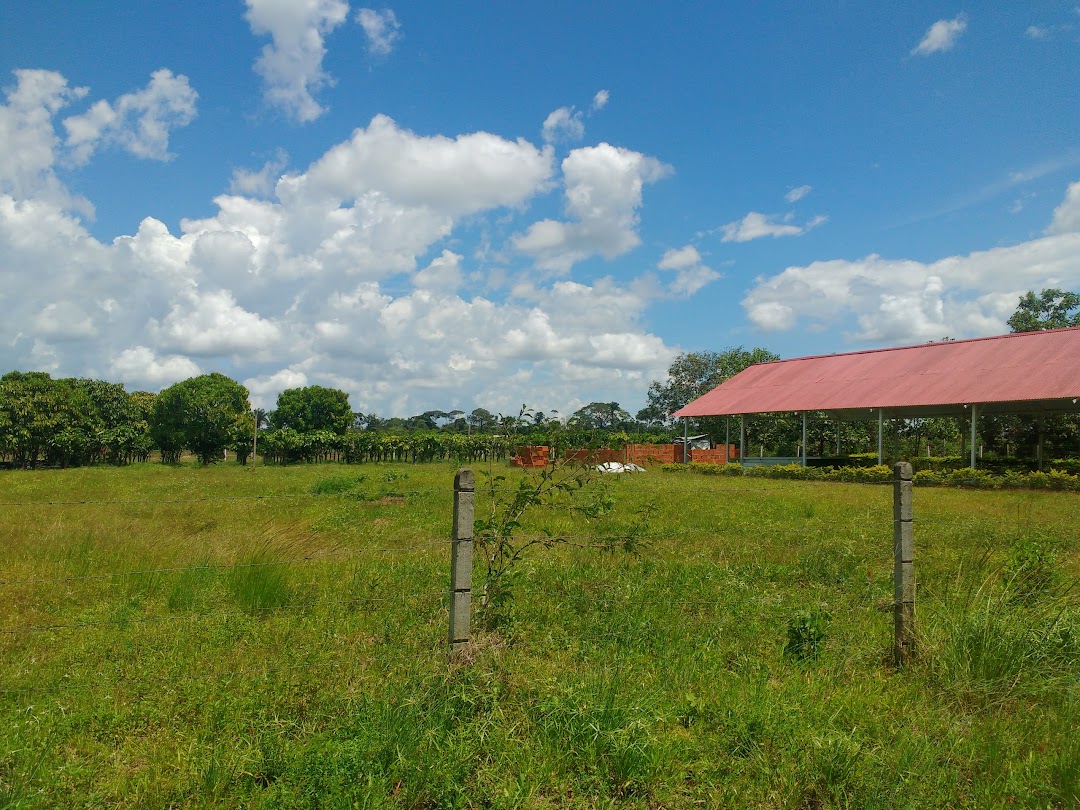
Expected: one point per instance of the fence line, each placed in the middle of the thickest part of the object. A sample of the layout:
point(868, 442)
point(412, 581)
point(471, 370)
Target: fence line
point(207, 613)
point(388, 493)
point(459, 634)
point(227, 566)
point(89, 683)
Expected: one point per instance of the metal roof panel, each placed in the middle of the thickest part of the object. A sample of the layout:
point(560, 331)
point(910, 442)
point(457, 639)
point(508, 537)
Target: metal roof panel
point(1024, 366)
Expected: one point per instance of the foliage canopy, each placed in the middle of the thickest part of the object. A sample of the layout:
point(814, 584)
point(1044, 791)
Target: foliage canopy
point(201, 414)
point(1050, 309)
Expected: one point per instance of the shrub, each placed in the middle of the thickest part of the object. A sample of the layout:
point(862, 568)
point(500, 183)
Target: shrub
point(806, 635)
point(1058, 479)
point(929, 478)
point(967, 477)
point(1066, 465)
point(878, 474)
point(336, 484)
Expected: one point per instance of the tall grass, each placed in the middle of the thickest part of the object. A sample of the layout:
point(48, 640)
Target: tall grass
point(289, 651)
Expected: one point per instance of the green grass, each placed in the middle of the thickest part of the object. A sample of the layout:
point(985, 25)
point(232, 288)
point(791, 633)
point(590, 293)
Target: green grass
point(222, 637)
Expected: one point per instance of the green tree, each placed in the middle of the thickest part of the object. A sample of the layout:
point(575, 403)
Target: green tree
point(481, 420)
point(601, 416)
point(696, 373)
point(45, 419)
point(313, 408)
point(1050, 309)
point(119, 422)
point(693, 374)
point(202, 414)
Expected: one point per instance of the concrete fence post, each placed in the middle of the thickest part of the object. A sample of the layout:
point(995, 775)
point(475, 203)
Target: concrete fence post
point(461, 553)
point(903, 566)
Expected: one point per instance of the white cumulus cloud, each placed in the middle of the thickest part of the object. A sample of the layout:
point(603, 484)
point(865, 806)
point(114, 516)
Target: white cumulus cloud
point(881, 300)
point(291, 65)
point(381, 28)
point(261, 182)
point(564, 124)
point(797, 193)
point(604, 186)
point(691, 273)
point(30, 143)
point(139, 122)
point(139, 367)
point(344, 273)
point(757, 226)
point(1067, 215)
point(941, 36)
point(210, 324)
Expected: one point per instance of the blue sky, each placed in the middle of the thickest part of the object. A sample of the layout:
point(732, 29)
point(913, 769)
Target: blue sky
point(453, 205)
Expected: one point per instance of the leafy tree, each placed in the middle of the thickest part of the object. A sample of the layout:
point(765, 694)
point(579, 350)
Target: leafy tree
point(601, 416)
point(313, 408)
point(696, 373)
point(481, 420)
point(41, 418)
point(118, 420)
point(202, 414)
point(1050, 309)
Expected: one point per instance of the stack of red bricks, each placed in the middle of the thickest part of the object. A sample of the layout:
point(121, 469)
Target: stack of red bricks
point(640, 454)
point(717, 455)
point(538, 456)
point(645, 454)
point(586, 456)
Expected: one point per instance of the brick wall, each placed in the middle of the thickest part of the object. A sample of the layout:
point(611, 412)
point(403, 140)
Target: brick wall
point(645, 454)
point(640, 454)
point(593, 456)
point(718, 455)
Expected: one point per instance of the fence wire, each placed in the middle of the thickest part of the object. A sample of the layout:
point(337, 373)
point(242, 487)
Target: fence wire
point(435, 651)
point(348, 495)
point(122, 622)
point(343, 553)
point(606, 602)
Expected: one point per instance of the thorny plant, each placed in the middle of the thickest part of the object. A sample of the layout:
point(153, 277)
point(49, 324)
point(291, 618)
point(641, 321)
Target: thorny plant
point(552, 488)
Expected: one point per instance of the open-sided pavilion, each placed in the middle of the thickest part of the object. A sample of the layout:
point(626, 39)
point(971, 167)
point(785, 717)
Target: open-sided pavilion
point(1033, 373)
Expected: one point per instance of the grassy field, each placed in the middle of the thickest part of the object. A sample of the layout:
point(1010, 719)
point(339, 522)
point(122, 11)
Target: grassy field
point(223, 637)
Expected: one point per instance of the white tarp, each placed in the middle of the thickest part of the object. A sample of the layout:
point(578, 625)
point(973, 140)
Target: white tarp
point(616, 467)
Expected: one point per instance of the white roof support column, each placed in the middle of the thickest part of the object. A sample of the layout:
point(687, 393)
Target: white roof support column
point(804, 438)
point(974, 428)
point(880, 434)
point(742, 437)
point(1039, 445)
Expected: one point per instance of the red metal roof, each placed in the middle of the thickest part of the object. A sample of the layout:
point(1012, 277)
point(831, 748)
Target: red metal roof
point(1024, 367)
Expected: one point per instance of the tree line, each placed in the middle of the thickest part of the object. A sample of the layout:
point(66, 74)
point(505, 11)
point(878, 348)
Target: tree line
point(72, 421)
point(68, 422)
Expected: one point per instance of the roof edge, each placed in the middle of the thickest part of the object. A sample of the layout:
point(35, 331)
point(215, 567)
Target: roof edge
point(927, 345)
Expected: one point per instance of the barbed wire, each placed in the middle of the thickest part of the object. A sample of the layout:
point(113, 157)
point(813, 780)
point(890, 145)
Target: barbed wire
point(88, 683)
point(227, 566)
point(347, 495)
point(26, 629)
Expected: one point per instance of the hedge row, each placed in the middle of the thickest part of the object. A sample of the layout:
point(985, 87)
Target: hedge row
point(883, 474)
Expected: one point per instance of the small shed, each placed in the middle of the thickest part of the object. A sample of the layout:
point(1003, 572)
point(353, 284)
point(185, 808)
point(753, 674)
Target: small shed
point(1025, 372)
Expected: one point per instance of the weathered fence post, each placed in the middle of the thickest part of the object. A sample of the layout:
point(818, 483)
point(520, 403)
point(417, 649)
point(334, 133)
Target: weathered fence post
point(461, 559)
point(903, 566)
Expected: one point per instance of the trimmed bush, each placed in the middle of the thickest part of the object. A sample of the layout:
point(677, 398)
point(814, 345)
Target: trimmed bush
point(883, 474)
